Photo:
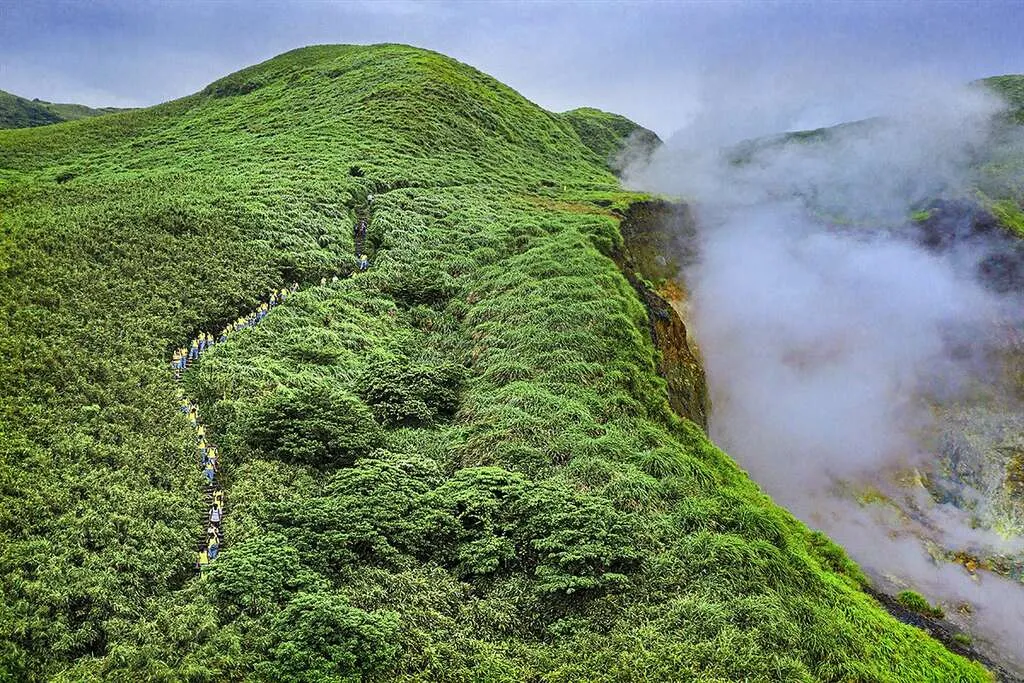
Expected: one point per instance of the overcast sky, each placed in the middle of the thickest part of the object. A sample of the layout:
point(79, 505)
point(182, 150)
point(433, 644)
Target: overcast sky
point(652, 61)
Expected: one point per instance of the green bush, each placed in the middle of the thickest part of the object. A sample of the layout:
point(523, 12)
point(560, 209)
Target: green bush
point(313, 426)
point(257, 576)
point(319, 637)
point(402, 392)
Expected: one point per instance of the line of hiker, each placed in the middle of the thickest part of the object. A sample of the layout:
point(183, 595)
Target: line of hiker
point(187, 355)
point(208, 455)
point(359, 238)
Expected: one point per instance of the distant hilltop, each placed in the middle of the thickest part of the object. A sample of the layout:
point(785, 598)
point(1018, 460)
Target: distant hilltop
point(18, 112)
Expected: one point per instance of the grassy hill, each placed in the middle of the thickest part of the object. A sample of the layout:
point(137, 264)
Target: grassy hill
point(18, 112)
point(460, 465)
point(615, 139)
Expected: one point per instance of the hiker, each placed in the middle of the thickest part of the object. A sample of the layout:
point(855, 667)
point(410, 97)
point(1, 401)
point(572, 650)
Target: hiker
point(213, 533)
point(215, 515)
point(193, 351)
point(364, 262)
point(208, 472)
point(369, 198)
point(218, 500)
point(213, 550)
point(295, 287)
point(202, 559)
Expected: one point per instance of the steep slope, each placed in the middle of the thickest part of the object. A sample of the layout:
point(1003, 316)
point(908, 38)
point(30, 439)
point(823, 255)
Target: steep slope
point(18, 112)
point(459, 465)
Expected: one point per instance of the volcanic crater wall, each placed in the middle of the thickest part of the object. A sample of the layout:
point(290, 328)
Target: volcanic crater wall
point(659, 240)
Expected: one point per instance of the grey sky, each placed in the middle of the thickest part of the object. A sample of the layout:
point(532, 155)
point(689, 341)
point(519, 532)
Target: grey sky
point(652, 61)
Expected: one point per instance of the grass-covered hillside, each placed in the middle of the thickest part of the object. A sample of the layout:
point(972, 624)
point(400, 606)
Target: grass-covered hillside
point(18, 112)
point(459, 465)
point(614, 138)
point(1011, 88)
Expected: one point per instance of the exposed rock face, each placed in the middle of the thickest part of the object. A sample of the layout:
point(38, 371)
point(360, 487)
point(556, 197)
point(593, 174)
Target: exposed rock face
point(981, 436)
point(659, 242)
point(947, 224)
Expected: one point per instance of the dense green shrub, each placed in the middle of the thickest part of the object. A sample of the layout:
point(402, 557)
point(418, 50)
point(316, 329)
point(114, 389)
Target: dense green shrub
point(402, 392)
point(318, 638)
point(313, 426)
point(259, 575)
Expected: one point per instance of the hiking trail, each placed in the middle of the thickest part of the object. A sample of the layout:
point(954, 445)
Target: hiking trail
point(211, 538)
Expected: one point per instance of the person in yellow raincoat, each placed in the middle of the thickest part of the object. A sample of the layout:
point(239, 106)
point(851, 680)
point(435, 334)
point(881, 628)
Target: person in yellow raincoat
point(202, 560)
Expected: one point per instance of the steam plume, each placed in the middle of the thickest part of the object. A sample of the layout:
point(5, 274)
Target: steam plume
point(839, 334)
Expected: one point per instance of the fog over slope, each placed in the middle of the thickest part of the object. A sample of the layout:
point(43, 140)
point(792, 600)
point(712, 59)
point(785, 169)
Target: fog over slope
point(836, 341)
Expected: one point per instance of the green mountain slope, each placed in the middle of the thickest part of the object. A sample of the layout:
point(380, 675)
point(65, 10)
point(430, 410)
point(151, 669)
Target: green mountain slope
point(1011, 88)
point(615, 139)
point(18, 112)
point(459, 465)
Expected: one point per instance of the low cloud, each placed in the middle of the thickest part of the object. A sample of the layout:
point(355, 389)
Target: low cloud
point(835, 329)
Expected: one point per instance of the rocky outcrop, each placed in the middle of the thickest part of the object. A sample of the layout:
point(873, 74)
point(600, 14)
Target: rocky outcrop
point(658, 242)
